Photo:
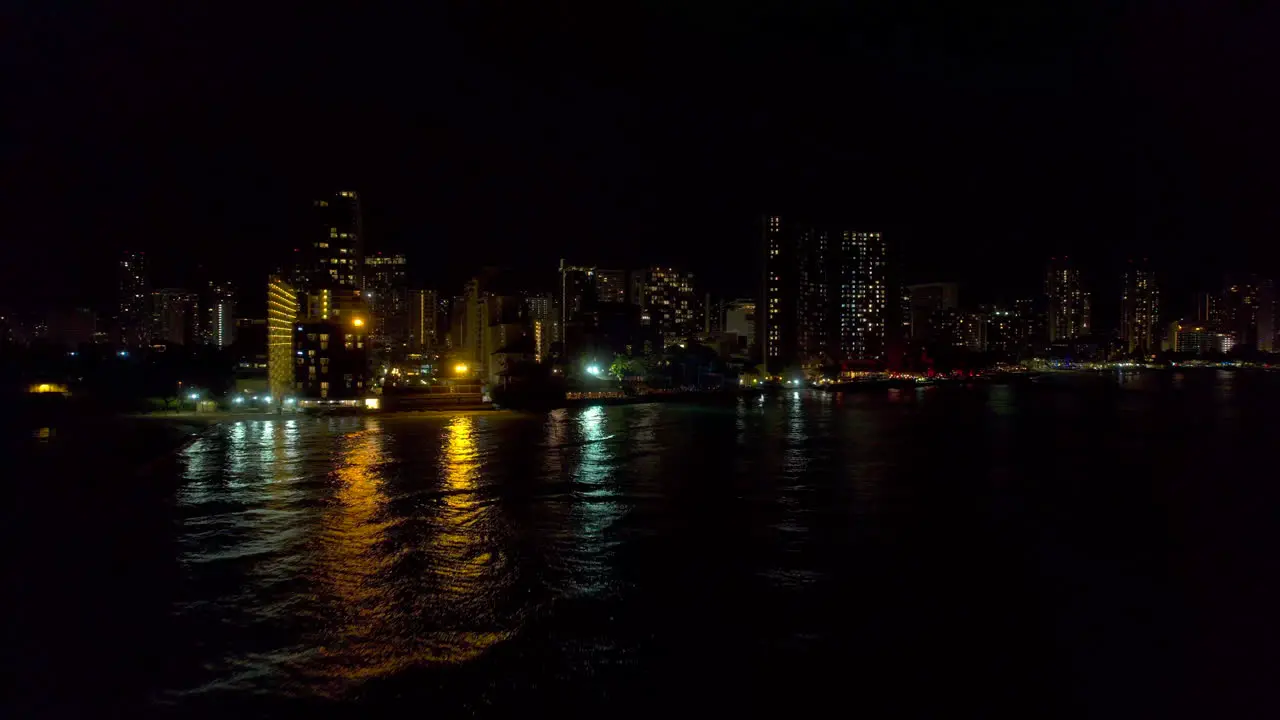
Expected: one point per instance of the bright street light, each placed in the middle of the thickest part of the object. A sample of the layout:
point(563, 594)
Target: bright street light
point(194, 396)
point(593, 370)
point(460, 368)
point(358, 322)
point(237, 400)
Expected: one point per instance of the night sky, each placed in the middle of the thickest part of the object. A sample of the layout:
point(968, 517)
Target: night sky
point(983, 138)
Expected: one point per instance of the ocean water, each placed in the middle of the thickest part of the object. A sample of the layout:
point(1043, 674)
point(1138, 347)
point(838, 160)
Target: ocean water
point(1082, 547)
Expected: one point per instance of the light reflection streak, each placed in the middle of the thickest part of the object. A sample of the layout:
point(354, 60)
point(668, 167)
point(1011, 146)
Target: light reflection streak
point(382, 625)
point(595, 509)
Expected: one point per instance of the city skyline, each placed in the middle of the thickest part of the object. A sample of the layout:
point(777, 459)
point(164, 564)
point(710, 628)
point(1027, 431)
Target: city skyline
point(1239, 309)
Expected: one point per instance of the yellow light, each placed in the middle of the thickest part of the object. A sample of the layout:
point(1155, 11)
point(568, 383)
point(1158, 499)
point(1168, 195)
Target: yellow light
point(358, 322)
point(460, 368)
point(371, 403)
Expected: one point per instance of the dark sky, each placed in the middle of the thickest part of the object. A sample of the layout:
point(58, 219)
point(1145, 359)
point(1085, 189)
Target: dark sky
point(983, 138)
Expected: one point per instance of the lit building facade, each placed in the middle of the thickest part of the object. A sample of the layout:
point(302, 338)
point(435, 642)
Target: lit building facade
point(335, 252)
point(334, 303)
point(1199, 338)
point(423, 320)
point(1140, 310)
point(825, 295)
point(546, 324)
point(1240, 311)
point(175, 316)
point(219, 327)
point(386, 290)
point(776, 322)
point(282, 319)
point(134, 300)
point(816, 276)
point(863, 295)
point(577, 291)
point(611, 286)
point(667, 304)
point(331, 359)
point(1069, 309)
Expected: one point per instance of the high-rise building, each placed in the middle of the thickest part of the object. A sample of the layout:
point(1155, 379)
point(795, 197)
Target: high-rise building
point(386, 290)
point(667, 304)
point(1140, 309)
point(863, 295)
point(1001, 329)
point(134, 300)
point(1209, 310)
point(577, 291)
point(1240, 311)
point(332, 362)
point(928, 302)
point(817, 278)
point(492, 316)
point(282, 318)
point(542, 313)
point(335, 252)
point(1069, 306)
point(712, 315)
point(611, 286)
point(219, 326)
point(972, 331)
point(423, 320)
point(776, 319)
point(824, 295)
point(175, 316)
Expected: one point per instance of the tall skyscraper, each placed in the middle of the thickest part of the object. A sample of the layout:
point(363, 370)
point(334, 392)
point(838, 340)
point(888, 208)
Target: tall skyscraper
point(824, 296)
point(219, 326)
point(335, 255)
point(282, 316)
point(928, 302)
point(863, 295)
point(542, 313)
point(667, 304)
point(423, 320)
point(175, 316)
point(712, 314)
point(1209, 310)
point(816, 278)
point(1240, 311)
point(776, 322)
point(1140, 309)
point(1069, 305)
point(386, 289)
point(577, 291)
point(134, 315)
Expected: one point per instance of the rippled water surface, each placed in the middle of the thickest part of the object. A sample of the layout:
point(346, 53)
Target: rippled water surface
point(1060, 550)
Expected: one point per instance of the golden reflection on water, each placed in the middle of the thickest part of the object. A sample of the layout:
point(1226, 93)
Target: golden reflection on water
point(378, 626)
point(462, 558)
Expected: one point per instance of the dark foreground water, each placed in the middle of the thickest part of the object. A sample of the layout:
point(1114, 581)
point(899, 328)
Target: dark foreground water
point(1074, 549)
